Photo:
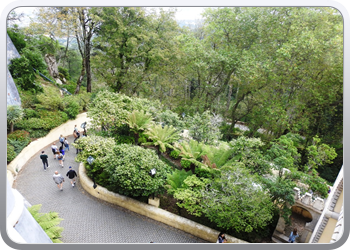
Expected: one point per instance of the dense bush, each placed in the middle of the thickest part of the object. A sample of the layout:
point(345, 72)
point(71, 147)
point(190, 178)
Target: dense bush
point(23, 73)
point(11, 154)
point(50, 99)
point(64, 72)
point(71, 106)
point(47, 121)
point(128, 167)
point(17, 38)
point(18, 139)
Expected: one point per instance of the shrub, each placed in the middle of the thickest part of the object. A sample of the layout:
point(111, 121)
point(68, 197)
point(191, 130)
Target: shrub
point(31, 113)
point(17, 39)
point(19, 135)
point(175, 154)
point(11, 154)
point(71, 106)
point(129, 166)
point(47, 121)
point(64, 72)
point(185, 163)
point(22, 72)
point(50, 99)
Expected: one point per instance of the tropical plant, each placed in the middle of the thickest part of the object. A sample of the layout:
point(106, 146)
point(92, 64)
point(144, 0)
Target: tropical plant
point(161, 137)
point(192, 151)
point(15, 113)
point(138, 121)
point(49, 222)
point(176, 179)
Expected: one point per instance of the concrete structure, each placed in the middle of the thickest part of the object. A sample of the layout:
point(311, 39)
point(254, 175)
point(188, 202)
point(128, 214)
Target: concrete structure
point(151, 211)
point(22, 158)
point(330, 226)
point(13, 97)
point(21, 227)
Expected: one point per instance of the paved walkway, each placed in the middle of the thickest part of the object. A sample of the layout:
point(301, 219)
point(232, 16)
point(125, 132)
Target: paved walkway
point(87, 219)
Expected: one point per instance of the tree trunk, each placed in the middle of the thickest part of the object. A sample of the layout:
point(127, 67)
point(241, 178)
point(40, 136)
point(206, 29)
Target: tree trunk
point(88, 68)
point(80, 79)
point(12, 125)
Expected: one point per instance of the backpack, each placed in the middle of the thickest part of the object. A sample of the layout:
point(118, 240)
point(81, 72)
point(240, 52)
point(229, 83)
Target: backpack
point(61, 139)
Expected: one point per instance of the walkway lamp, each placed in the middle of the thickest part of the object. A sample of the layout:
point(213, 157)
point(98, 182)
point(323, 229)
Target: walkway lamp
point(90, 160)
point(152, 173)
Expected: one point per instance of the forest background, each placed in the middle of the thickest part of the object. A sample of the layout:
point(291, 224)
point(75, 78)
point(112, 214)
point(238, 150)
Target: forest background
point(277, 70)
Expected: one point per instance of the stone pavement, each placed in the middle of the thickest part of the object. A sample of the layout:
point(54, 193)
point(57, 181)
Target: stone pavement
point(87, 219)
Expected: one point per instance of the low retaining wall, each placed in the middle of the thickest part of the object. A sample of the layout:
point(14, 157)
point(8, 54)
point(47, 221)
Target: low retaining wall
point(35, 146)
point(152, 212)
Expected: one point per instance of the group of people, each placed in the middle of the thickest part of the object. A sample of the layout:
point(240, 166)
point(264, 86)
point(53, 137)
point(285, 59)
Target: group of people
point(59, 179)
point(59, 154)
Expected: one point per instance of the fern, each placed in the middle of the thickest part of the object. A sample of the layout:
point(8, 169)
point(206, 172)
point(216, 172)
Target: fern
point(176, 179)
point(162, 137)
point(48, 222)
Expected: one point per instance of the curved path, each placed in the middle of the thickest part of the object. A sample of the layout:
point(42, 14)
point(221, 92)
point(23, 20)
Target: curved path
point(87, 219)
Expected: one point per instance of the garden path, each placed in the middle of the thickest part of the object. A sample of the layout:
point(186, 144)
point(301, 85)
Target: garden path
point(86, 218)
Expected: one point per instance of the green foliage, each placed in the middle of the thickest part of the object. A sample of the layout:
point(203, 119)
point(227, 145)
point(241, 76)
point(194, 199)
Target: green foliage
point(202, 128)
point(71, 106)
point(191, 152)
point(236, 200)
point(64, 72)
point(176, 179)
point(47, 121)
point(128, 168)
point(319, 154)
point(138, 122)
point(49, 222)
point(190, 195)
point(22, 72)
point(169, 117)
point(11, 154)
point(36, 61)
point(15, 113)
point(50, 99)
point(174, 154)
point(17, 38)
point(162, 137)
point(248, 151)
point(30, 113)
point(98, 147)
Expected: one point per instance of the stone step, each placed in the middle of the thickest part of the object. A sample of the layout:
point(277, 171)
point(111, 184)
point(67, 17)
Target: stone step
point(280, 237)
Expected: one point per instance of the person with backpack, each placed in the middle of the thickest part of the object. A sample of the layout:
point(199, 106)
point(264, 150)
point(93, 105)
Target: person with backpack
point(71, 174)
point(66, 144)
point(54, 150)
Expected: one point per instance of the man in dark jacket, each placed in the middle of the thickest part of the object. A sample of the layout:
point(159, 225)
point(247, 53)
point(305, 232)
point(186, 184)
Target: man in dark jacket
point(71, 175)
point(44, 157)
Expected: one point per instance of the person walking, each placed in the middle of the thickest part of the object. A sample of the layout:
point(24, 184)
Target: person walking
point(62, 151)
point(54, 150)
point(60, 159)
point(71, 174)
point(44, 157)
point(66, 144)
point(58, 179)
point(76, 135)
point(61, 140)
point(221, 238)
point(293, 235)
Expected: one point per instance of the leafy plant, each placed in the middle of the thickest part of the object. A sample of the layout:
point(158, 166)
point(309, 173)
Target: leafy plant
point(175, 180)
point(138, 121)
point(11, 154)
point(162, 137)
point(49, 222)
point(128, 169)
point(14, 114)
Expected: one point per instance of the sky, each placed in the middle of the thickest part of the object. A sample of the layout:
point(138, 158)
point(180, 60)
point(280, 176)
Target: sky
point(182, 13)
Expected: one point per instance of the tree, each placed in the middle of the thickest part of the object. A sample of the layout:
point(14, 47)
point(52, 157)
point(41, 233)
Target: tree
point(142, 45)
point(14, 114)
point(202, 127)
point(248, 151)
point(237, 201)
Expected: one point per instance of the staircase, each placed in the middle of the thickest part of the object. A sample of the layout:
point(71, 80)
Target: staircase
point(279, 238)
